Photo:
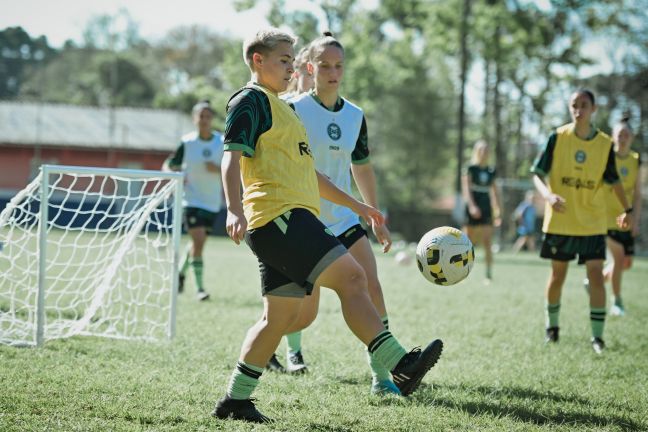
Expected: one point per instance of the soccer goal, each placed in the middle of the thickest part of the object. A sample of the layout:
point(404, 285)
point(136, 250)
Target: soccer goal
point(90, 251)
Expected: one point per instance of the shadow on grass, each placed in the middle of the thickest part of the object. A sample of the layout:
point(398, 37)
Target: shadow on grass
point(505, 405)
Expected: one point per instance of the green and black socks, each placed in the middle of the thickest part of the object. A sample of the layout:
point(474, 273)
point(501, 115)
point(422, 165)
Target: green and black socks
point(552, 315)
point(378, 371)
point(386, 350)
point(243, 381)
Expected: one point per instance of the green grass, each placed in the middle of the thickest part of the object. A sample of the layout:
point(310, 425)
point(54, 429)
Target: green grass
point(495, 372)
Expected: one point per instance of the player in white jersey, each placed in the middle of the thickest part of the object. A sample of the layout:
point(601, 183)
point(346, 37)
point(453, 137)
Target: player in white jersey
point(337, 133)
point(199, 156)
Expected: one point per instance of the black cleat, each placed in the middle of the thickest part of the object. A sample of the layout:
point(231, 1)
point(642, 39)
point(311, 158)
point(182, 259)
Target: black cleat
point(598, 345)
point(295, 363)
point(551, 335)
point(239, 409)
point(274, 365)
point(411, 369)
point(181, 280)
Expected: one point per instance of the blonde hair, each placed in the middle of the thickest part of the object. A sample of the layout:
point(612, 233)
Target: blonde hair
point(263, 42)
point(624, 123)
point(480, 144)
point(300, 60)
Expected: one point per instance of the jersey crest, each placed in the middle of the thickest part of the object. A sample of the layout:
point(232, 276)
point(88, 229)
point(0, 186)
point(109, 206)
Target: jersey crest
point(334, 132)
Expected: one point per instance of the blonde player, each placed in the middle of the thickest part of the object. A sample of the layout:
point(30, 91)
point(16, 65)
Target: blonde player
point(267, 149)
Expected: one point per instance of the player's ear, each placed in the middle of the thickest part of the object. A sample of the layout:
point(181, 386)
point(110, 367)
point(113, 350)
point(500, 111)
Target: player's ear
point(310, 68)
point(257, 59)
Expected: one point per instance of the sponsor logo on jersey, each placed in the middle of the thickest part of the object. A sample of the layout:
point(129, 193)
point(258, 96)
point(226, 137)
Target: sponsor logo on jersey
point(580, 156)
point(578, 183)
point(303, 149)
point(334, 131)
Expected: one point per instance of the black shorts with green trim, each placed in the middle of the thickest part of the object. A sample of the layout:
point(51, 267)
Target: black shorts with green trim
point(565, 247)
point(293, 250)
point(625, 238)
point(195, 217)
point(352, 235)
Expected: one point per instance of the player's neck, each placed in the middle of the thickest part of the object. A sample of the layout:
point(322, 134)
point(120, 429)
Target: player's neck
point(584, 130)
point(327, 98)
point(205, 135)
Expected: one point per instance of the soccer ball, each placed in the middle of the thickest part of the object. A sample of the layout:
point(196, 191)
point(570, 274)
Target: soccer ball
point(445, 256)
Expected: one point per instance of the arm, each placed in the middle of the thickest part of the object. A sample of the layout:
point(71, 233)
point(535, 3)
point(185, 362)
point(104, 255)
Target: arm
point(365, 179)
point(212, 167)
point(174, 162)
point(624, 220)
point(555, 201)
point(495, 203)
point(331, 192)
point(468, 198)
point(235, 223)
point(636, 204)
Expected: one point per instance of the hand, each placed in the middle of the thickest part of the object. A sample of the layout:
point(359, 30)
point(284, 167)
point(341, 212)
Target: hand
point(624, 221)
point(474, 211)
point(557, 203)
point(370, 215)
point(497, 221)
point(212, 167)
point(236, 225)
point(383, 236)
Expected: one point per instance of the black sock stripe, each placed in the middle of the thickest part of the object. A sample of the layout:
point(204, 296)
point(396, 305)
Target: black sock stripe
point(597, 319)
point(386, 323)
point(375, 344)
point(553, 308)
point(247, 371)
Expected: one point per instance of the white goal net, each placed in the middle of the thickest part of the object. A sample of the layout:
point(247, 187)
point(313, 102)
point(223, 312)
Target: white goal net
point(90, 251)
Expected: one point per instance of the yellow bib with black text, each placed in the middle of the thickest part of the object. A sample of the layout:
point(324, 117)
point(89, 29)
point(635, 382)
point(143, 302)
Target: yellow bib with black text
point(628, 169)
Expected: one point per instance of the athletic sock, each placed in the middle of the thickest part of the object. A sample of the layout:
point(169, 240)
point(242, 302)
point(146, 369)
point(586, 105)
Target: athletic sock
point(553, 312)
point(489, 273)
point(293, 340)
point(618, 302)
point(243, 381)
point(378, 371)
point(386, 349)
point(597, 320)
point(185, 264)
point(197, 265)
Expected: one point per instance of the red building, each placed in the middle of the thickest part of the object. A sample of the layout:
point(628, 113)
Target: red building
point(32, 134)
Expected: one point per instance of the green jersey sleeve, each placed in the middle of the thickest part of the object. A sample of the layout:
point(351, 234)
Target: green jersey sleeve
point(175, 160)
point(542, 164)
point(248, 117)
point(360, 154)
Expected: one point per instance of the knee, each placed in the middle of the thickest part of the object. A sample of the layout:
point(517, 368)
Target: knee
point(305, 319)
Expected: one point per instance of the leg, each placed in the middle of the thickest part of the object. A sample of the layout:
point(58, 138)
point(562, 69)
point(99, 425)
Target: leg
point(487, 238)
point(519, 243)
point(198, 238)
point(597, 302)
point(552, 299)
point(618, 258)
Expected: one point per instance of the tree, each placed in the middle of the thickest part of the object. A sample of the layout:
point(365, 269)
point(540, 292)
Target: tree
point(21, 55)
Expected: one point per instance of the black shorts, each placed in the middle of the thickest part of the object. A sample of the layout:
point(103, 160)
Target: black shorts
point(625, 238)
point(195, 217)
point(293, 250)
point(352, 235)
point(565, 248)
point(485, 219)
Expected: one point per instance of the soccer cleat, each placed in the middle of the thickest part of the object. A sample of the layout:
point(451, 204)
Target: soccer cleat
point(586, 285)
point(552, 335)
point(384, 388)
point(274, 365)
point(239, 409)
point(181, 280)
point(295, 363)
point(202, 295)
point(598, 345)
point(411, 369)
point(617, 310)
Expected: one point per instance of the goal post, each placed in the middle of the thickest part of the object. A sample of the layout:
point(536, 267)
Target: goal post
point(90, 251)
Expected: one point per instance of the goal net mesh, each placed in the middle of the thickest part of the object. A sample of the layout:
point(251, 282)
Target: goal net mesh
point(102, 263)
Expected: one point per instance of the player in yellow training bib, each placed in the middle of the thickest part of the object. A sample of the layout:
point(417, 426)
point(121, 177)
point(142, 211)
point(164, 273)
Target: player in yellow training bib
point(266, 147)
point(569, 173)
point(620, 242)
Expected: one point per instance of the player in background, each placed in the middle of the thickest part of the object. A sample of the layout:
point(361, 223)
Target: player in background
point(482, 202)
point(199, 156)
point(525, 216)
point(620, 242)
point(337, 134)
point(569, 174)
point(300, 82)
point(266, 148)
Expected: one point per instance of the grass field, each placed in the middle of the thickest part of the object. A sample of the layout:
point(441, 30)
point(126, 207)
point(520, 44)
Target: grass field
point(495, 373)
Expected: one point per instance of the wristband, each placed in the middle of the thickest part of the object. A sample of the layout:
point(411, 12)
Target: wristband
point(629, 210)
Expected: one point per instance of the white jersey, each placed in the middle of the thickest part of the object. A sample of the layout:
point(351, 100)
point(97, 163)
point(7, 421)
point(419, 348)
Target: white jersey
point(332, 137)
point(202, 189)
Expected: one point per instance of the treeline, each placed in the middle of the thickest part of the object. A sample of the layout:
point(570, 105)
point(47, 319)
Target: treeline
point(403, 66)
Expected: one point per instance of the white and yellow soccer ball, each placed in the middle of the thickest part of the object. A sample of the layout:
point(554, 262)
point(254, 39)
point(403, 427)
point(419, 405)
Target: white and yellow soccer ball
point(445, 255)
